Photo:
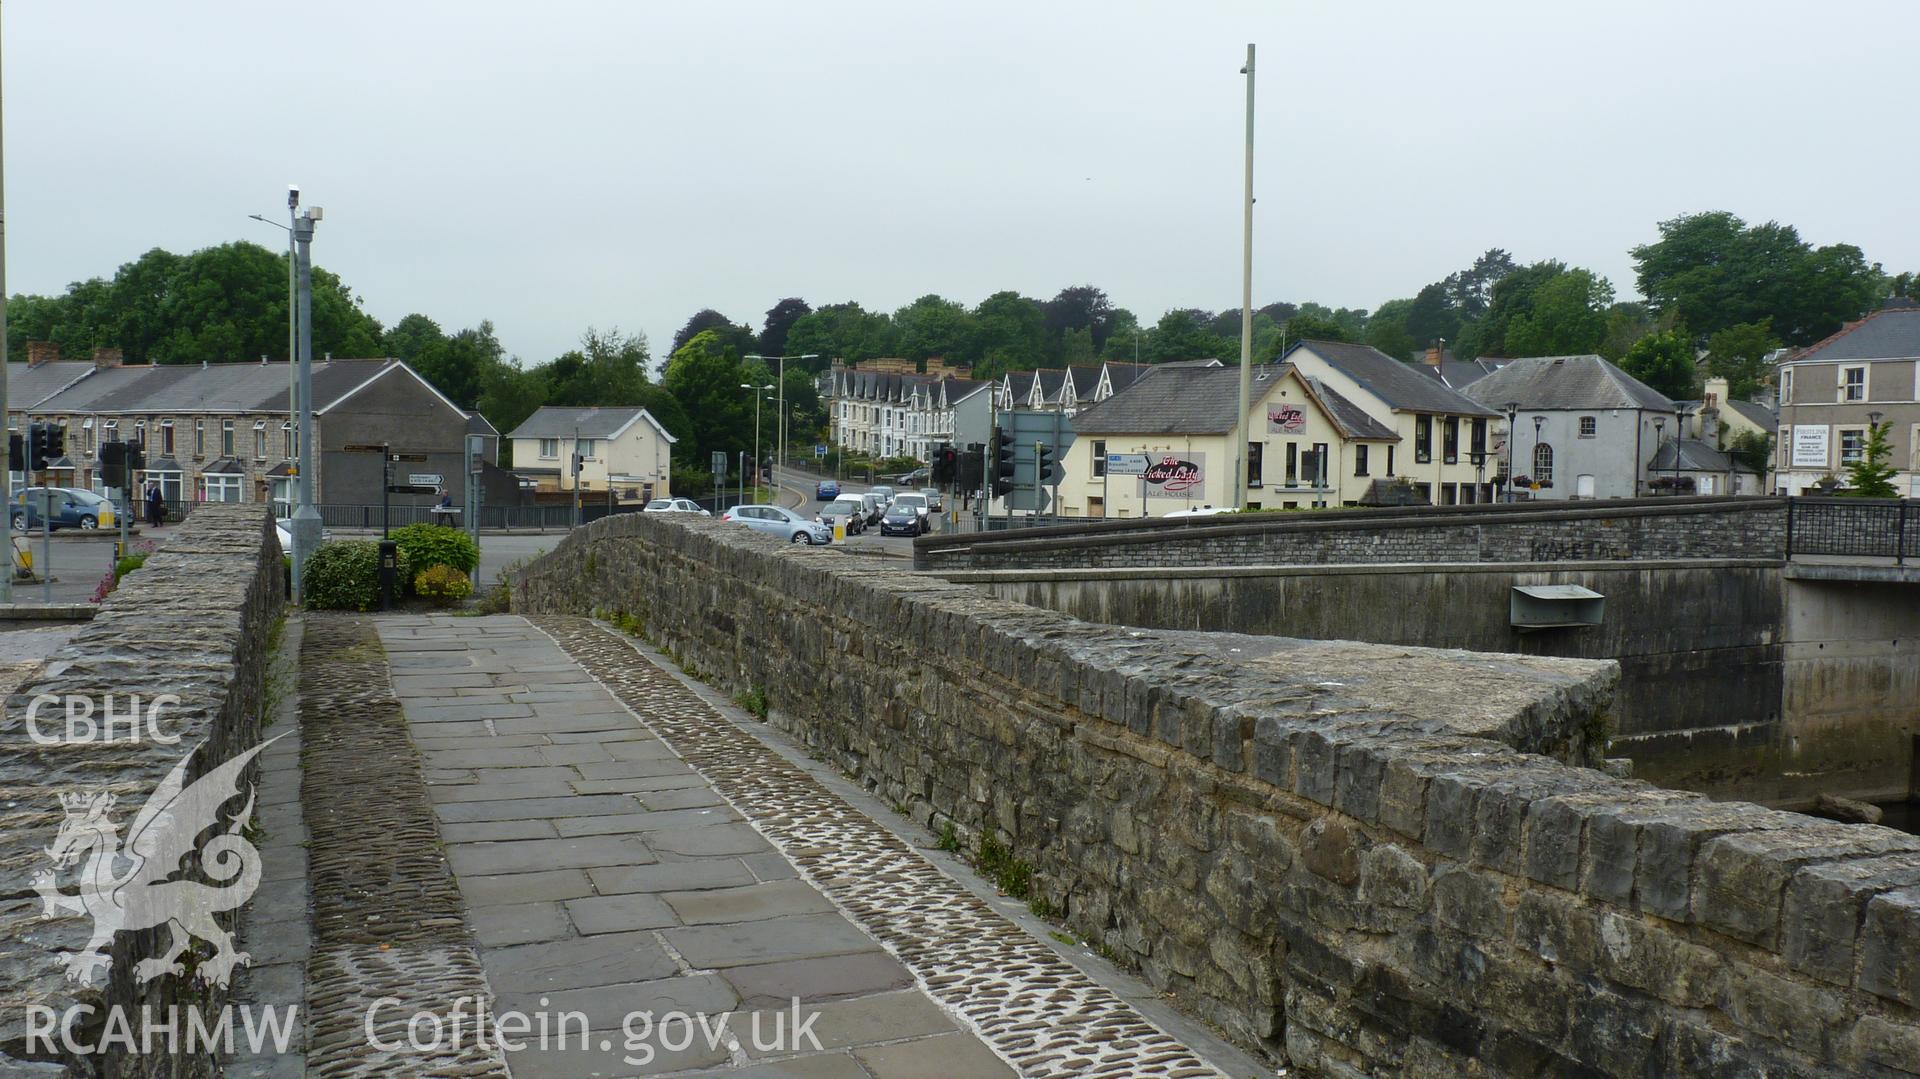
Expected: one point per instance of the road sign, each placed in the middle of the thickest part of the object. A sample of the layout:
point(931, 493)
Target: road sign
point(1126, 464)
point(412, 458)
point(407, 489)
point(819, 449)
point(364, 447)
point(426, 479)
point(718, 466)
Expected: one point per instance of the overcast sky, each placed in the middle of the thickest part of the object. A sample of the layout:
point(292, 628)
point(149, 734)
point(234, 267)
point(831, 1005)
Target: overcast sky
point(561, 164)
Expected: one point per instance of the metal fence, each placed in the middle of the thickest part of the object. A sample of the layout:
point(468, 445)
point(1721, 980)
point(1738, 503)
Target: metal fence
point(1853, 527)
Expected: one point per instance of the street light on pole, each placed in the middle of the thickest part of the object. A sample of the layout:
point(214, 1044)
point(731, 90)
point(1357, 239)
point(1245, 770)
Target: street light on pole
point(306, 519)
point(758, 396)
point(293, 321)
point(1513, 413)
point(780, 426)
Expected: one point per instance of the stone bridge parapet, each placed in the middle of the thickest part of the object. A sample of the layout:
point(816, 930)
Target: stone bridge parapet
point(1383, 859)
point(194, 622)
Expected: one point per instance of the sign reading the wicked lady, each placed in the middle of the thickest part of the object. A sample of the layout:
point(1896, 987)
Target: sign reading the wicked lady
point(1181, 476)
point(1283, 416)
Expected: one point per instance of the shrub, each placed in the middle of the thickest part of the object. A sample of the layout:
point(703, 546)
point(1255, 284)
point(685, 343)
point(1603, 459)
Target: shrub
point(426, 546)
point(344, 576)
point(443, 585)
point(128, 564)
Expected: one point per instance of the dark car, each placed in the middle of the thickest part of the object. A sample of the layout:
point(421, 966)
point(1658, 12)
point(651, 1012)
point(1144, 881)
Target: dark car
point(826, 490)
point(902, 521)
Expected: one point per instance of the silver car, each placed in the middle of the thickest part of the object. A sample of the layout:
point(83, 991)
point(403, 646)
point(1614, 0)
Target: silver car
point(780, 521)
point(932, 495)
point(676, 505)
point(847, 510)
point(876, 506)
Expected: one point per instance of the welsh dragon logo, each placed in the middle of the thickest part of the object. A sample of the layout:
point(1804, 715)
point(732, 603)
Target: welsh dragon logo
point(142, 885)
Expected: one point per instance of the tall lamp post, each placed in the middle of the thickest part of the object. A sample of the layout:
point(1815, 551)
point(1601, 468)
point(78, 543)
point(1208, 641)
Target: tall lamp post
point(780, 427)
point(758, 396)
point(1659, 438)
point(1513, 435)
point(306, 519)
point(1538, 423)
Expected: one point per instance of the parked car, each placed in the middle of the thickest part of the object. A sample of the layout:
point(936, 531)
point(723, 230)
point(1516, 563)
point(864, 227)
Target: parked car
point(876, 506)
point(1203, 511)
point(676, 505)
point(780, 521)
point(848, 511)
point(902, 521)
point(916, 477)
point(72, 508)
point(933, 498)
point(827, 490)
point(914, 501)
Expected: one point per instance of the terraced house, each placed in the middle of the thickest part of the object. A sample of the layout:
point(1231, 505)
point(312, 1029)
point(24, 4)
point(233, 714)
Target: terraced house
point(224, 433)
point(1867, 373)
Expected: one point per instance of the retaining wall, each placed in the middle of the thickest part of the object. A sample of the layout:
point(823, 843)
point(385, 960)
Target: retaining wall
point(195, 622)
point(1333, 849)
point(1517, 532)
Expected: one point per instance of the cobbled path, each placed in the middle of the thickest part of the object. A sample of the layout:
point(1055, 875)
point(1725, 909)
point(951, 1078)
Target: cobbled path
point(1033, 1007)
point(387, 915)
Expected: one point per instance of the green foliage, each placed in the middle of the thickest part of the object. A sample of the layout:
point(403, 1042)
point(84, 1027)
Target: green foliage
point(1663, 361)
point(997, 863)
point(1387, 330)
point(442, 585)
point(1738, 354)
point(844, 331)
point(1753, 449)
point(705, 376)
point(344, 576)
point(1567, 316)
point(128, 564)
point(949, 838)
point(224, 303)
point(753, 700)
point(1872, 475)
point(1714, 271)
point(780, 319)
point(1308, 327)
point(425, 545)
point(934, 326)
point(1185, 334)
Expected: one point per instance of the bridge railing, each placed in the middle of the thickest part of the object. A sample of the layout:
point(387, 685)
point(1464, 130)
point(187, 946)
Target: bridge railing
point(1853, 527)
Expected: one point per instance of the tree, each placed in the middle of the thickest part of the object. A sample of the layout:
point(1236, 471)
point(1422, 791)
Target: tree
point(1663, 361)
point(1871, 475)
point(607, 369)
point(1470, 291)
point(1431, 316)
point(1181, 334)
point(1309, 327)
point(1753, 450)
point(705, 375)
point(703, 320)
point(1081, 307)
point(1387, 330)
point(1713, 271)
point(1739, 353)
point(1565, 316)
point(1906, 286)
point(780, 319)
point(508, 396)
point(934, 326)
point(843, 331)
point(1010, 333)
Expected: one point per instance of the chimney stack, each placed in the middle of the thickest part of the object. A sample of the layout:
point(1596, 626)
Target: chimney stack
point(42, 352)
point(1433, 355)
point(106, 356)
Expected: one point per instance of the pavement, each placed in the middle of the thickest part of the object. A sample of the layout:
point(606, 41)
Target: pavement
point(635, 862)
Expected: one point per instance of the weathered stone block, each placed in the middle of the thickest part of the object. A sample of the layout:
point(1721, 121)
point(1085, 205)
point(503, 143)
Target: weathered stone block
point(1403, 798)
point(1332, 849)
point(1393, 877)
point(1890, 947)
point(1820, 920)
point(1743, 876)
point(1469, 901)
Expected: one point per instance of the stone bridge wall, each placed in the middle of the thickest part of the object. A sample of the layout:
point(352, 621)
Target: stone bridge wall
point(1308, 846)
point(195, 622)
point(1520, 532)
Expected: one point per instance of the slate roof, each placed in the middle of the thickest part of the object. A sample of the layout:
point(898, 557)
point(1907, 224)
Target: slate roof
point(1548, 383)
point(1352, 421)
point(214, 387)
point(1085, 381)
point(1122, 375)
point(1021, 383)
point(550, 422)
point(1403, 388)
point(1174, 400)
point(1889, 333)
point(1459, 374)
point(1695, 456)
point(1757, 414)
point(28, 386)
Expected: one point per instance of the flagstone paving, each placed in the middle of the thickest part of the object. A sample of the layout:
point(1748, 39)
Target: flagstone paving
point(605, 875)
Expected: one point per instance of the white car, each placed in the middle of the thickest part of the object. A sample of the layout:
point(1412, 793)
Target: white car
point(1203, 511)
point(915, 501)
point(675, 505)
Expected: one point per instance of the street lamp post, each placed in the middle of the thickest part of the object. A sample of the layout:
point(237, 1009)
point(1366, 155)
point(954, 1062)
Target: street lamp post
point(780, 432)
point(306, 519)
point(1660, 437)
point(1513, 413)
point(758, 396)
point(1538, 423)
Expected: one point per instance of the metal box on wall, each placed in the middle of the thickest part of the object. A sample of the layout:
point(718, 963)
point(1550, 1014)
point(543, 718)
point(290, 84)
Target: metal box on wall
point(1554, 606)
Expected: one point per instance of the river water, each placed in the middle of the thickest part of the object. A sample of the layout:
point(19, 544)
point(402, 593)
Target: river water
point(1902, 815)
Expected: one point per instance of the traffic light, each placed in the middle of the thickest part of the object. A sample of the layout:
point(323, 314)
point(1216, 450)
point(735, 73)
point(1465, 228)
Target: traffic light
point(943, 470)
point(16, 452)
point(113, 464)
point(1002, 463)
point(36, 447)
point(56, 441)
point(136, 459)
point(1046, 468)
